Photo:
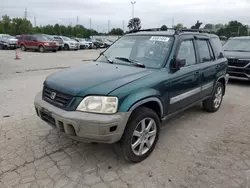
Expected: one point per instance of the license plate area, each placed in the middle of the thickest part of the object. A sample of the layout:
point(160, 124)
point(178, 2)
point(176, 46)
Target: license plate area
point(46, 116)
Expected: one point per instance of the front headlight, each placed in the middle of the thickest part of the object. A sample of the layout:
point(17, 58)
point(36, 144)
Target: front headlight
point(99, 104)
point(46, 44)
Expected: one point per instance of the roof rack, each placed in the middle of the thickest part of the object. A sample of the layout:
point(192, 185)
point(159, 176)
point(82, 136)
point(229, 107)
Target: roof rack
point(177, 30)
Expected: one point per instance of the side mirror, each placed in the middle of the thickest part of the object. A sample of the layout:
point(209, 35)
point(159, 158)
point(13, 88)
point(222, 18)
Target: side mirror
point(176, 64)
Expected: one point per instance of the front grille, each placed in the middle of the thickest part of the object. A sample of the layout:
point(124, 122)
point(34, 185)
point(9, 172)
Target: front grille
point(238, 62)
point(61, 100)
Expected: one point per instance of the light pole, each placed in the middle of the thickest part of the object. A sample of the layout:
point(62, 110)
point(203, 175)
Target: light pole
point(133, 3)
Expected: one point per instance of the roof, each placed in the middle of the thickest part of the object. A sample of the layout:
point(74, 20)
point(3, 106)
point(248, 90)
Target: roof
point(171, 33)
point(243, 37)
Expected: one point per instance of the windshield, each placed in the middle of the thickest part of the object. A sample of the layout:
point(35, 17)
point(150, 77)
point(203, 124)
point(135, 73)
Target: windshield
point(8, 37)
point(66, 39)
point(41, 38)
point(237, 45)
point(150, 51)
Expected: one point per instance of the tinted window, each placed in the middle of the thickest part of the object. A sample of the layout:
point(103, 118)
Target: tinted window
point(203, 51)
point(26, 38)
point(216, 43)
point(237, 44)
point(186, 51)
point(211, 51)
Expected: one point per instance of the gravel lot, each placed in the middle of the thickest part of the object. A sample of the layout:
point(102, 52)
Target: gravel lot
point(196, 149)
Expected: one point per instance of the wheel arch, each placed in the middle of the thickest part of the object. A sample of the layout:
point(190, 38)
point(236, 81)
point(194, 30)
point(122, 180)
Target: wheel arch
point(222, 79)
point(152, 103)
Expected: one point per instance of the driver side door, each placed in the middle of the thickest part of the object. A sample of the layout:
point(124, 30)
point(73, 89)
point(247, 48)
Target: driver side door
point(185, 83)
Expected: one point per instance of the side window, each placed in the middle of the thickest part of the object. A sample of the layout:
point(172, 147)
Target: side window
point(211, 51)
point(187, 52)
point(204, 51)
point(32, 38)
point(218, 49)
point(27, 38)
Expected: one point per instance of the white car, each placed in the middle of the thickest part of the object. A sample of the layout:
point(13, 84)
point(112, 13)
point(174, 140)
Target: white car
point(7, 42)
point(70, 44)
point(84, 43)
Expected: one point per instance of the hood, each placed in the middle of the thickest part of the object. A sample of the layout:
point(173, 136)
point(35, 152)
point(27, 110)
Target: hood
point(73, 41)
point(94, 78)
point(237, 55)
point(13, 40)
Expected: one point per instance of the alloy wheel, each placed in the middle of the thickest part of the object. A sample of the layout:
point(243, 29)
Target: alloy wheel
point(143, 136)
point(218, 97)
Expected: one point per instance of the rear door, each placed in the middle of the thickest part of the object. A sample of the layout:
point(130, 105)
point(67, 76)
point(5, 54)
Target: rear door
point(208, 65)
point(27, 42)
point(185, 83)
point(33, 42)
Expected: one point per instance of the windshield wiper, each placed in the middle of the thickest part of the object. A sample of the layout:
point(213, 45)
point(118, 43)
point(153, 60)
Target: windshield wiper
point(237, 50)
point(131, 61)
point(108, 59)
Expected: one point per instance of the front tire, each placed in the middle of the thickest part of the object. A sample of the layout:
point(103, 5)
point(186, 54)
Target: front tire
point(213, 103)
point(66, 47)
point(141, 135)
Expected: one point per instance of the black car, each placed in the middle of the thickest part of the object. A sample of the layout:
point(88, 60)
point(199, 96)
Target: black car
point(237, 51)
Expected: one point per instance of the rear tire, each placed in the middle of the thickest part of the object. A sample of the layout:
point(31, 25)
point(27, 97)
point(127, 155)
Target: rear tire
point(140, 135)
point(213, 103)
point(23, 48)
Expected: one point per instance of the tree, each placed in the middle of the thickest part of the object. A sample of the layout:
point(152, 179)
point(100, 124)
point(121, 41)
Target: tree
point(209, 27)
point(116, 31)
point(179, 26)
point(134, 24)
point(233, 28)
point(197, 25)
point(164, 28)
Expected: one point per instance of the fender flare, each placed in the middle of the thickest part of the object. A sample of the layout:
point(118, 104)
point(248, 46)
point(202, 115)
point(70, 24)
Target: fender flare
point(144, 101)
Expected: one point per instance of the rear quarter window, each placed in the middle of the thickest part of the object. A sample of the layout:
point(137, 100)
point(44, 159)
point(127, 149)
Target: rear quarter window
point(217, 47)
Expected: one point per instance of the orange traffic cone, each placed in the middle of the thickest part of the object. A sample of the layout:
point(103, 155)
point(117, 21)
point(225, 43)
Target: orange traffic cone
point(17, 57)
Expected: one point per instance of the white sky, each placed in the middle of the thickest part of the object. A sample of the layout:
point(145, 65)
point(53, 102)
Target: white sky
point(152, 13)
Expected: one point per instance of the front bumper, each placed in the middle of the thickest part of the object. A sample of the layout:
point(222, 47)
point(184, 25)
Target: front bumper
point(51, 48)
point(82, 126)
point(74, 47)
point(239, 73)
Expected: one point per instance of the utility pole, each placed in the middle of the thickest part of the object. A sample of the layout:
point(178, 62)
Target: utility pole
point(35, 21)
point(173, 22)
point(108, 25)
point(25, 13)
point(77, 20)
point(90, 23)
point(133, 3)
point(123, 26)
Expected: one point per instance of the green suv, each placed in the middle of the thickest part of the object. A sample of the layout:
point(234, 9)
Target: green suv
point(143, 78)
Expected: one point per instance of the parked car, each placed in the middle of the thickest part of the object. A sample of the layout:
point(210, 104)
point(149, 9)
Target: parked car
point(84, 43)
point(97, 43)
point(59, 41)
point(37, 42)
point(107, 43)
point(7, 42)
point(237, 51)
point(70, 44)
point(160, 74)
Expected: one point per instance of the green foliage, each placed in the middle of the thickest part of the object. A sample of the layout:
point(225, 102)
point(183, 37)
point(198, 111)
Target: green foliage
point(164, 28)
point(134, 24)
point(18, 26)
point(116, 31)
point(179, 26)
point(232, 29)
